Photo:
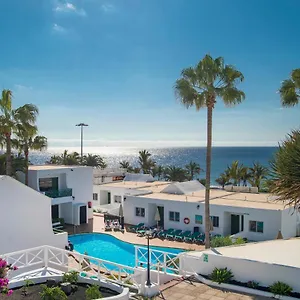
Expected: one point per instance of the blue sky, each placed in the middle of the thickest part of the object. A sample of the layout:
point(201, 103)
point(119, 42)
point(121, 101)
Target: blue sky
point(113, 64)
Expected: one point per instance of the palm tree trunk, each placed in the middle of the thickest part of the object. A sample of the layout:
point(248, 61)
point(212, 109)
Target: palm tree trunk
point(26, 167)
point(8, 155)
point(208, 169)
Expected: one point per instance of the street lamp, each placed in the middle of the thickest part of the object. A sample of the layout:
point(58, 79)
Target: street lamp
point(81, 136)
point(148, 283)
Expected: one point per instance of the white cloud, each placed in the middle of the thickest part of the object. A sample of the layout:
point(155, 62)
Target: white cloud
point(22, 87)
point(107, 8)
point(68, 7)
point(58, 28)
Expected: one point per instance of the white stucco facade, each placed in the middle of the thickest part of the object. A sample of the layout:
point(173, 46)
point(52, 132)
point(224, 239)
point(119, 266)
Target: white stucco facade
point(73, 191)
point(249, 215)
point(25, 218)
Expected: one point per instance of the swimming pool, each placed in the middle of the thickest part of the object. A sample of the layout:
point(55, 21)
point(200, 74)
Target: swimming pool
point(107, 247)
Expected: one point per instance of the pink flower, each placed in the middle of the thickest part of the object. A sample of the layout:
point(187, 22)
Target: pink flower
point(9, 293)
point(15, 268)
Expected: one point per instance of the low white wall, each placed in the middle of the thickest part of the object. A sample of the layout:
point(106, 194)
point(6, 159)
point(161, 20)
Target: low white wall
point(243, 270)
point(124, 292)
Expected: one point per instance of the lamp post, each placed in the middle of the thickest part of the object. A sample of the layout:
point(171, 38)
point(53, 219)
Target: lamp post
point(148, 283)
point(81, 136)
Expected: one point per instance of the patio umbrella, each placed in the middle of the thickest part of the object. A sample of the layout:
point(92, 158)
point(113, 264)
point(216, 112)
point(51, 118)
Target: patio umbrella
point(121, 215)
point(279, 235)
point(157, 216)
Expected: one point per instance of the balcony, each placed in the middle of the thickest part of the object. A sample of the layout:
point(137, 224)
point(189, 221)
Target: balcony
point(59, 194)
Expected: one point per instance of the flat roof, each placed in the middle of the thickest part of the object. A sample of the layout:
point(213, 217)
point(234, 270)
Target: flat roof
point(52, 167)
point(283, 252)
point(137, 185)
point(222, 197)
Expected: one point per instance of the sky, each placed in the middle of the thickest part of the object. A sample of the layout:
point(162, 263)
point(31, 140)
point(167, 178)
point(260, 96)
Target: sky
point(113, 63)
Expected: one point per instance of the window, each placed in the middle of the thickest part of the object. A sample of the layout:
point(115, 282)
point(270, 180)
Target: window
point(95, 196)
point(140, 212)
point(48, 184)
point(256, 226)
point(215, 221)
point(118, 199)
point(198, 219)
point(174, 216)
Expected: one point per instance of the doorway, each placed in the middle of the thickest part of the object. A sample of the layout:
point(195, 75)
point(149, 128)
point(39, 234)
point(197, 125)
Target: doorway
point(161, 211)
point(55, 211)
point(108, 198)
point(235, 224)
point(82, 215)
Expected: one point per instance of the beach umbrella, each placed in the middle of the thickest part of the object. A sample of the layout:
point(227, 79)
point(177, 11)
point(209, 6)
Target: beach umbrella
point(279, 235)
point(121, 215)
point(157, 216)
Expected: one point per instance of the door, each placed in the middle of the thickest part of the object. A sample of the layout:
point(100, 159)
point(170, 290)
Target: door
point(108, 197)
point(82, 214)
point(55, 183)
point(161, 214)
point(235, 224)
point(55, 211)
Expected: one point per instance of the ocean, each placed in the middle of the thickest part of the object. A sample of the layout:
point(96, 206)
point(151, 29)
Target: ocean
point(221, 156)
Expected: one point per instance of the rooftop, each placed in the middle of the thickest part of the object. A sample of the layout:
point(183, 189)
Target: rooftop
point(283, 252)
point(52, 167)
point(221, 197)
point(150, 186)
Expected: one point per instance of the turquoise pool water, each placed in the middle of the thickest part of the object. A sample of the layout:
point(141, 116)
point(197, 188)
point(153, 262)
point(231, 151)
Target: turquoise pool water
point(107, 247)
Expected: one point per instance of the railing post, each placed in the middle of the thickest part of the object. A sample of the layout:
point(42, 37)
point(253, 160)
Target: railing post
point(26, 257)
point(46, 256)
point(165, 263)
point(136, 256)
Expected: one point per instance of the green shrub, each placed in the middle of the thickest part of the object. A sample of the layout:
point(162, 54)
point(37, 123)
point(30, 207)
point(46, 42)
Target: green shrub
point(280, 288)
point(71, 277)
point(253, 284)
point(222, 241)
point(27, 284)
point(93, 292)
point(52, 293)
point(222, 275)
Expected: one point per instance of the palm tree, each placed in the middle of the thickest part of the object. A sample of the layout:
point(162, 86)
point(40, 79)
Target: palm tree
point(285, 175)
point(258, 173)
point(244, 174)
point(223, 179)
point(6, 126)
point(173, 173)
point(25, 142)
point(201, 86)
point(157, 171)
point(193, 168)
point(290, 89)
point(55, 160)
point(18, 164)
point(235, 172)
point(145, 161)
point(66, 159)
point(124, 164)
point(94, 161)
point(12, 119)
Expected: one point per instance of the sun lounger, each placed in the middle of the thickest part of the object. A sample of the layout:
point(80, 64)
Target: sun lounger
point(173, 234)
point(191, 237)
point(184, 234)
point(199, 239)
point(137, 227)
point(164, 233)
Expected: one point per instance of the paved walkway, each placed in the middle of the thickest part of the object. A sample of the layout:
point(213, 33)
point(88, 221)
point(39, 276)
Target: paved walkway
point(195, 291)
point(97, 225)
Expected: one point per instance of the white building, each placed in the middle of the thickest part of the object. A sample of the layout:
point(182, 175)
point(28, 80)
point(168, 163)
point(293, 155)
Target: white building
point(264, 262)
point(25, 218)
point(69, 187)
point(181, 206)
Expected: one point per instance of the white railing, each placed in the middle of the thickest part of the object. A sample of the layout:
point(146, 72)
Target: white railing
point(63, 260)
point(163, 262)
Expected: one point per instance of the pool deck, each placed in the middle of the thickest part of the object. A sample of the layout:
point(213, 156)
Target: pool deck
point(97, 225)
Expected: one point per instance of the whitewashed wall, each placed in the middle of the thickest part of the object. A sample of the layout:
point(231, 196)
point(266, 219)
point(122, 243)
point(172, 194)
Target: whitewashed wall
point(289, 222)
point(25, 218)
point(243, 270)
point(271, 218)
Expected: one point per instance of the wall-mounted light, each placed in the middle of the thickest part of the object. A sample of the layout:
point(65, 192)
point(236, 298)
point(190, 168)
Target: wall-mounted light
point(124, 198)
point(73, 197)
point(72, 170)
point(198, 206)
